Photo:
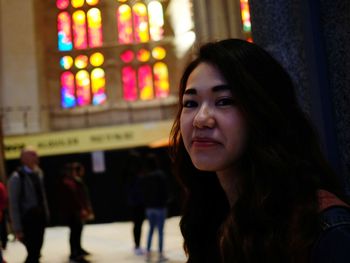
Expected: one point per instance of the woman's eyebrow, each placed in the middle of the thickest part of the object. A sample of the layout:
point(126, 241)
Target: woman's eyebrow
point(190, 91)
point(223, 87)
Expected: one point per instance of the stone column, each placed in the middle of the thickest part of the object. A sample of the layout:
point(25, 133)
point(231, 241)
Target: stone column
point(309, 38)
point(216, 20)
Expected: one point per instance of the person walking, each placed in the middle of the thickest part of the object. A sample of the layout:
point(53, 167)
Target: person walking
point(28, 204)
point(155, 198)
point(135, 198)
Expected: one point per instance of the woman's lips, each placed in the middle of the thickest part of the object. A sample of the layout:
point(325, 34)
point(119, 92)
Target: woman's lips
point(204, 142)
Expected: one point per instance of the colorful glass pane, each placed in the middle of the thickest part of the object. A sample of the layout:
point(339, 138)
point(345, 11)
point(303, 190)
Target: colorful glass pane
point(124, 24)
point(92, 2)
point(82, 81)
point(129, 83)
point(145, 82)
point(62, 4)
point(143, 55)
point(97, 59)
point(81, 61)
point(122, 1)
point(158, 53)
point(94, 27)
point(127, 56)
point(67, 90)
point(98, 83)
point(156, 21)
point(64, 33)
point(140, 23)
point(161, 79)
point(245, 13)
point(79, 30)
point(77, 3)
point(66, 62)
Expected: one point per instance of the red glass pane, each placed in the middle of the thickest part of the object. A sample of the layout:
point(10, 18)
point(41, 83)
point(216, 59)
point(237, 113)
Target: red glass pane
point(67, 90)
point(127, 56)
point(62, 4)
point(129, 83)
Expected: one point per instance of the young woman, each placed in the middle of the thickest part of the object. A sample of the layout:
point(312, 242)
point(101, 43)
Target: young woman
point(258, 188)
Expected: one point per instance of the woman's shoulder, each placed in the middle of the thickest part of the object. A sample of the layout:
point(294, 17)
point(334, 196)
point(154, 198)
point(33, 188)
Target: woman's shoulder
point(333, 244)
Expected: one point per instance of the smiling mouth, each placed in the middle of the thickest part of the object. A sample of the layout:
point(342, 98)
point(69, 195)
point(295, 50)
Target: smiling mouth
point(204, 142)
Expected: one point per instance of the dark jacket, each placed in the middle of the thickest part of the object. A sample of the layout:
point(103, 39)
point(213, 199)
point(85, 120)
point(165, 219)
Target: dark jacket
point(155, 190)
point(333, 245)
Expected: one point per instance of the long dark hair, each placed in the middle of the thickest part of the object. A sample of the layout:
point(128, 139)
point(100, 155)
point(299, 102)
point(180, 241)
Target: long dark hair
point(275, 217)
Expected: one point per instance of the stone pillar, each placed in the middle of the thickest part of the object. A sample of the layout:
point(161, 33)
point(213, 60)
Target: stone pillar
point(216, 20)
point(309, 38)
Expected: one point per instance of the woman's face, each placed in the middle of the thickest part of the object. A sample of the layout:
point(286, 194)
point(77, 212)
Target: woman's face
point(212, 125)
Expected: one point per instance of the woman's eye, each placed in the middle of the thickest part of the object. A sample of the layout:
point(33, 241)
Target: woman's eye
point(189, 104)
point(225, 102)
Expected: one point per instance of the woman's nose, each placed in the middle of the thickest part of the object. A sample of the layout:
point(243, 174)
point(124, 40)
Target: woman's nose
point(204, 117)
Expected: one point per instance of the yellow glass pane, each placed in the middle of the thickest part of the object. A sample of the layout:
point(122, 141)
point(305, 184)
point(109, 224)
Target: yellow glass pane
point(77, 3)
point(161, 80)
point(98, 83)
point(66, 62)
point(82, 80)
point(94, 27)
point(79, 30)
point(96, 59)
point(140, 23)
point(92, 2)
point(81, 61)
point(158, 53)
point(143, 55)
point(122, 1)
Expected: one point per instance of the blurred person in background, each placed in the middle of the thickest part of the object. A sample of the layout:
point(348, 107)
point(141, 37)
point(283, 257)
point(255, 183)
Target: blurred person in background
point(75, 208)
point(28, 204)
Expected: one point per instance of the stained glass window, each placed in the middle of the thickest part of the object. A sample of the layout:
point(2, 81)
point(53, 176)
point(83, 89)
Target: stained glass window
point(245, 13)
point(155, 12)
point(161, 80)
point(62, 4)
point(92, 2)
point(140, 19)
point(158, 53)
point(67, 90)
point(79, 29)
point(127, 56)
point(98, 83)
point(64, 33)
point(143, 55)
point(81, 61)
point(82, 81)
point(129, 83)
point(66, 62)
point(145, 82)
point(77, 3)
point(124, 24)
point(97, 59)
point(94, 27)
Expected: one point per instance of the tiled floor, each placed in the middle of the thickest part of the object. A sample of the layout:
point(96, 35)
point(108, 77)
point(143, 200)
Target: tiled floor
point(108, 243)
